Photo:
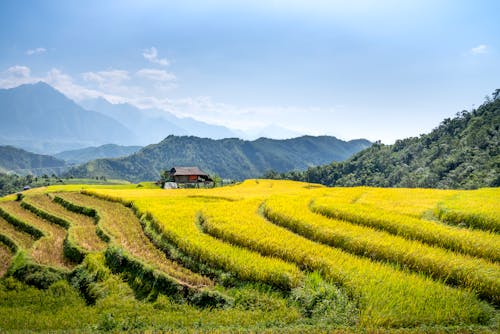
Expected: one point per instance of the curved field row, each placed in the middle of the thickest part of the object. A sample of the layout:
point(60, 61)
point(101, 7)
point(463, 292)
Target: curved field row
point(48, 250)
point(5, 258)
point(125, 230)
point(20, 238)
point(388, 297)
point(478, 209)
point(456, 269)
point(472, 242)
point(82, 229)
point(412, 202)
point(176, 220)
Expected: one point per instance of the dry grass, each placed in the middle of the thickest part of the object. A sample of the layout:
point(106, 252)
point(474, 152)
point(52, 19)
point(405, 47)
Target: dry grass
point(126, 231)
point(22, 239)
point(5, 258)
point(48, 250)
point(83, 228)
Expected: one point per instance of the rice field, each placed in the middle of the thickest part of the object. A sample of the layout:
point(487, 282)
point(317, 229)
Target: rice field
point(283, 256)
point(82, 229)
point(125, 230)
point(48, 250)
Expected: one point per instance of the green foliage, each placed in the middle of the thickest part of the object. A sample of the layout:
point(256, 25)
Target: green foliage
point(230, 158)
point(324, 302)
point(462, 152)
point(90, 212)
point(36, 233)
point(23, 162)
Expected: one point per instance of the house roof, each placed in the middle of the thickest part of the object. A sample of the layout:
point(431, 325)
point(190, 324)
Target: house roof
point(187, 171)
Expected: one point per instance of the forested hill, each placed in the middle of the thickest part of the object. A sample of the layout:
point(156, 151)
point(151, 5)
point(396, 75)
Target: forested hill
point(229, 158)
point(462, 152)
point(22, 162)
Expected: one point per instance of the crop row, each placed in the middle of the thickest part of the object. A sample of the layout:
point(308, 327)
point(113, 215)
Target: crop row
point(472, 242)
point(125, 231)
point(477, 209)
point(175, 218)
point(293, 213)
point(81, 228)
point(48, 250)
point(388, 297)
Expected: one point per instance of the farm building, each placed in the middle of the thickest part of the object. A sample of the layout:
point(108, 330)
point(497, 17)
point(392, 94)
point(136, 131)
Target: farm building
point(189, 175)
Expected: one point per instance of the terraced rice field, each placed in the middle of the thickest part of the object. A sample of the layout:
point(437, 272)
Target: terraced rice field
point(82, 228)
point(48, 250)
point(125, 230)
point(279, 255)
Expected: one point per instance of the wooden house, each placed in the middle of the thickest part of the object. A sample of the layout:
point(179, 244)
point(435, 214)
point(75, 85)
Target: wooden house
point(189, 175)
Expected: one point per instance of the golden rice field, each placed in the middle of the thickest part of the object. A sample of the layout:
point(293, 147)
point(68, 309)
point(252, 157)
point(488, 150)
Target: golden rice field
point(260, 256)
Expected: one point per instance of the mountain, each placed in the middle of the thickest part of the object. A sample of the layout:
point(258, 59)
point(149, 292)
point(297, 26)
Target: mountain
point(90, 153)
point(277, 132)
point(151, 126)
point(229, 158)
point(462, 152)
point(22, 162)
point(39, 118)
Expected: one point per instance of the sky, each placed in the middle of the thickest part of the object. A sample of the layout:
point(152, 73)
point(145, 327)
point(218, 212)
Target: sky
point(381, 70)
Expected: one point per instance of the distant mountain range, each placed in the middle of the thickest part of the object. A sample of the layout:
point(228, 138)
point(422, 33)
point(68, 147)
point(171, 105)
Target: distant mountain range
point(229, 158)
point(18, 161)
point(151, 126)
point(462, 152)
point(39, 118)
point(90, 153)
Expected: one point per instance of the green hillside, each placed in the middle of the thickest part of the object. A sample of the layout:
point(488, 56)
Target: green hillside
point(229, 158)
point(462, 152)
point(22, 162)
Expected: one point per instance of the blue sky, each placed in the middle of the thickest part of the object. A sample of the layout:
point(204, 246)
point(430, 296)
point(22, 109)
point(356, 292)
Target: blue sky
point(372, 69)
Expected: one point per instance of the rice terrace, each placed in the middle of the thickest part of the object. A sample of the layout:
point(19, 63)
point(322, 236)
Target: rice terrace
point(262, 255)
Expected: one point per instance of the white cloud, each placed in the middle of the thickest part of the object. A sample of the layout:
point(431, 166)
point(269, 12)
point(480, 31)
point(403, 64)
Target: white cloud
point(36, 51)
point(19, 71)
point(106, 77)
point(151, 55)
point(155, 75)
point(113, 82)
point(480, 49)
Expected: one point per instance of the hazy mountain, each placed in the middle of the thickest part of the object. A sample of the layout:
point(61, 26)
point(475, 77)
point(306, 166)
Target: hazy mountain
point(22, 162)
point(40, 118)
point(90, 153)
point(277, 132)
point(151, 126)
point(462, 152)
point(229, 158)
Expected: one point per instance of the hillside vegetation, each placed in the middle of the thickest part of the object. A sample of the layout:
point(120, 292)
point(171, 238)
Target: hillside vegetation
point(22, 162)
point(462, 152)
point(261, 255)
point(229, 158)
